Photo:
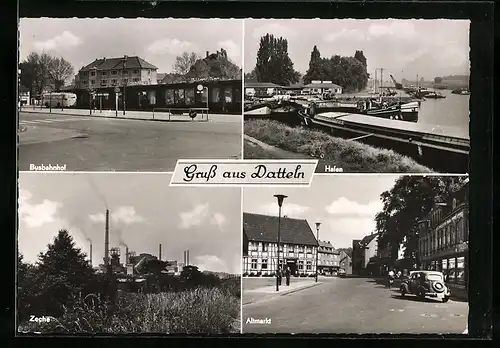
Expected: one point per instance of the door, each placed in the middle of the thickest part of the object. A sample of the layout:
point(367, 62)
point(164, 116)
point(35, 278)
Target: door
point(292, 263)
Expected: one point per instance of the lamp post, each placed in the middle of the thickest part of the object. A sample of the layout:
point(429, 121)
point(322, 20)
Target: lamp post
point(124, 84)
point(201, 89)
point(318, 224)
point(280, 204)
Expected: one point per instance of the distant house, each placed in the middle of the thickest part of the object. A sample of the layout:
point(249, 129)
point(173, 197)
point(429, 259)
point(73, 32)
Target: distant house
point(320, 87)
point(109, 72)
point(259, 89)
point(160, 77)
point(363, 251)
point(24, 95)
point(215, 66)
point(345, 262)
point(298, 245)
point(328, 258)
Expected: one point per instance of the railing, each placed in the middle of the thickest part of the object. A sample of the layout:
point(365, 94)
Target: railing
point(170, 111)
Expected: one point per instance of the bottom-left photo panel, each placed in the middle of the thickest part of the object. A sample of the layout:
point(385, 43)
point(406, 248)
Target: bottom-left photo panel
point(120, 253)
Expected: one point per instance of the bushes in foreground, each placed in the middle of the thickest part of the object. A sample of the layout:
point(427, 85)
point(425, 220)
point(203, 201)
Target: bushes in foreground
point(198, 311)
point(350, 155)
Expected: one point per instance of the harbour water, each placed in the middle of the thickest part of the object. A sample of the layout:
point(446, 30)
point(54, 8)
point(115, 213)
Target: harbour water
point(449, 112)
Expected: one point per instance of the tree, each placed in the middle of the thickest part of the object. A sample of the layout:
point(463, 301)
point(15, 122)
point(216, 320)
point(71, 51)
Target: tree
point(273, 63)
point(438, 80)
point(184, 62)
point(409, 201)
point(63, 272)
point(251, 76)
point(315, 67)
point(60, 71)
point(153, 266)
point(360, 57)
point(217, 66)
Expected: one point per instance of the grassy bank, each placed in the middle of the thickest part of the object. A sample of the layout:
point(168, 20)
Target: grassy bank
point(197, 311)
point(349, 155)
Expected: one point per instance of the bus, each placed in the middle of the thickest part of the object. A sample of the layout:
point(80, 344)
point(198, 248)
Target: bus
point(59, 99)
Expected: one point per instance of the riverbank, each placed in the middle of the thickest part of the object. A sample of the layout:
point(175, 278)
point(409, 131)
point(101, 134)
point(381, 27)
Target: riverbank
point(349, 155)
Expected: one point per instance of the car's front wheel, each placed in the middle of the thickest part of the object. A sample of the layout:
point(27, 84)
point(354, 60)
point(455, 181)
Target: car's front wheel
point(403, 291)
point(445, 299)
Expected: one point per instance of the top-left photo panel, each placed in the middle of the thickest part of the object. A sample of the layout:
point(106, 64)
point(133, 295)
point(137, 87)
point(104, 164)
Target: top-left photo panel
point(128, 95)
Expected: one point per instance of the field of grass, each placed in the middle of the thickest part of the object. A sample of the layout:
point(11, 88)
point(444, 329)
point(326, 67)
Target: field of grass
point(197, 311)
point(349, 155)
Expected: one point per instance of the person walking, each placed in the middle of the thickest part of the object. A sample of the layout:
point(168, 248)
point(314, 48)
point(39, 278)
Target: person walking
point(279, 275)
point(287, 275)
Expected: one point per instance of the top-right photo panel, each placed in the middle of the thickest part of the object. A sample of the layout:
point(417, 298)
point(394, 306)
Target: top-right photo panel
point(361, 96)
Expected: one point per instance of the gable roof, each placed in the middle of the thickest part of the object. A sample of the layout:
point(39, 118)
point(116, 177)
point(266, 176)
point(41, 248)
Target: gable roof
point(368, 239)
point(251, 84)
point(322, 85)
point(117, 63)
point(264, 228)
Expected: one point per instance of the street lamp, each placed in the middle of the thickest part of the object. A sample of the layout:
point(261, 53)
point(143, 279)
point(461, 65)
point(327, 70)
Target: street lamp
point(318, 224)
point(280, 204)
point(202, 89)
point(124, 84)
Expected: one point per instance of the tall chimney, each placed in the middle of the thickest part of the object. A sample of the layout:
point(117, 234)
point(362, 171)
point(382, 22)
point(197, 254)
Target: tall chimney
point(126, 256)
point(187, 257)
point(106, 240)
point(184, 258)
point(159, 253)
point(90, 254)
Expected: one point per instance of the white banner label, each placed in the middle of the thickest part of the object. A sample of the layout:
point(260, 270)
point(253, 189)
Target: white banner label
point(243, 173)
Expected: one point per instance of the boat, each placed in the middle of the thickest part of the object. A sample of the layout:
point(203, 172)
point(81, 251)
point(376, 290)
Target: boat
point(435, 95)
point(461, 91)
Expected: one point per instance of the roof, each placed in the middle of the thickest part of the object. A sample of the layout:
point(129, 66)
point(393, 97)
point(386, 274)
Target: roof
point(250, 84)
point(322, 85)
point(368, 239)
point(117, 63)
point(264, 228)
point(294, 86)
point(160, 76)
point(324, 244)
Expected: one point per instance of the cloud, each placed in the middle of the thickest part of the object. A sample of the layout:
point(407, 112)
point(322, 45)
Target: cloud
point(194, 217)
point(275, 29)
point(290, 209)
point(342, 230)
point(62, 41)
point(124, 214)
point(218, 219)
point(170, 46)
point(211, 263)
point(343, 206)
point(344, 34)
point(232, 48)
point(399, 29)
point(36, 215)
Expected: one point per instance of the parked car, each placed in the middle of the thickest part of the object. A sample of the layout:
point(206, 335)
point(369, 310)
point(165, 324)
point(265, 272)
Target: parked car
point(341, 273)
point(426, 284)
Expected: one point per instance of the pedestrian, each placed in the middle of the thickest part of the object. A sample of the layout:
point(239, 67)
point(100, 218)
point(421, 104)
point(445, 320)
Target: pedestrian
point(278, 275)
point(287, 275)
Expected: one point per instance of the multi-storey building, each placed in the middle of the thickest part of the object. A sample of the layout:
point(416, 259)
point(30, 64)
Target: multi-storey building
point(345, 262)
point(328, 258)
point(298, 245)
point(444, 239)
point(109, 72)
point(362, 251)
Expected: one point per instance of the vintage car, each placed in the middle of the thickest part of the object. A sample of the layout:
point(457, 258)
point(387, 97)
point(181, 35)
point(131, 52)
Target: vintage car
point(426, 284)
point(341, 273)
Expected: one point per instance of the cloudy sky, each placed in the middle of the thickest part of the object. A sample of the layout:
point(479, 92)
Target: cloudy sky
point(345, 205)
point(144, 212)
point(404, 48)
point(158, 41)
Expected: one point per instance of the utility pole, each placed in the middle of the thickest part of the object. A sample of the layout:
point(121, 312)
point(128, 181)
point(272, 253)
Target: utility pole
point(381, 77)
point(375, 82)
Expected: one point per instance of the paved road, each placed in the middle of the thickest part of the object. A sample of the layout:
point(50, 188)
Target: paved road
point(353, 305)
point(102, 144)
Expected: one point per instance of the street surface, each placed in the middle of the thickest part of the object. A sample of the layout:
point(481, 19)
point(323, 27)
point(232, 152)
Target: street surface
point(351, 305)
point(92, 143)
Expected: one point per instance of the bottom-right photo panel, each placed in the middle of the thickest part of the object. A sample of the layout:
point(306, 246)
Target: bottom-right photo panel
point(357, 254)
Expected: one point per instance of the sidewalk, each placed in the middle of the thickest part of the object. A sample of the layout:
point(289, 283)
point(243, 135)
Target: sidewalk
point(135, 115)
point(269, 292)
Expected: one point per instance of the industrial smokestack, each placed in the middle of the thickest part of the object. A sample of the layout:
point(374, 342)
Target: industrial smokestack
point(159, 253)
point(184, 260)
point(106, 240)
point(187, 257)
point(126, 255)
point(90, 253)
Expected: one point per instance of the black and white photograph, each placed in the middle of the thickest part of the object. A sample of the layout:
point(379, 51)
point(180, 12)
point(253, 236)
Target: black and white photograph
point(370, 96)
point(359, 254)
point(128, 94)
point(118, 253)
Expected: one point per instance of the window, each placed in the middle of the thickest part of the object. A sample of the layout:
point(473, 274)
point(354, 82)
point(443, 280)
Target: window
point(92, 82)
point(125, 81)
point(152, 97)
point(104, 82)
point(309, 265)
point(104, 73)
point(264, 264)
point(265, 246)
point(301, 265)
point(189, 96)
point(113, 72)
point(253, 264)
point(253, 246)
point(179, 96)
point(136, 71)
point(113, 82)
point(215, 95)
point(92, 73)
point(452, 235)
point(85, 73)
point(149, 72)
point(169, 97)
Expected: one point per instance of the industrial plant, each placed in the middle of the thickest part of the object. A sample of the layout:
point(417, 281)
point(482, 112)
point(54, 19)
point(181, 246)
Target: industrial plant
point(132, 266)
